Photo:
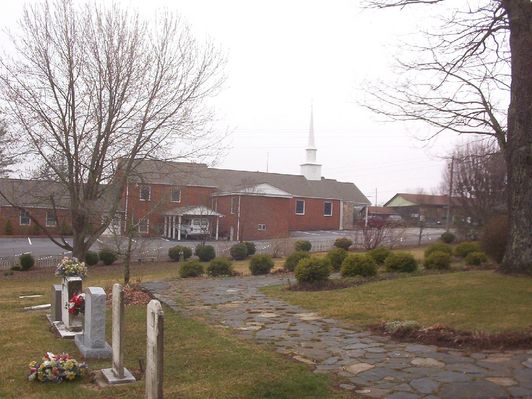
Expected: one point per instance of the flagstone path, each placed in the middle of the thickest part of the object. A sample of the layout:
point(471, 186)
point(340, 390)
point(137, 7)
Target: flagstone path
point(374, 366)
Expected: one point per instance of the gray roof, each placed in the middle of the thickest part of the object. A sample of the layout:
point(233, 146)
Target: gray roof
point(226, 180)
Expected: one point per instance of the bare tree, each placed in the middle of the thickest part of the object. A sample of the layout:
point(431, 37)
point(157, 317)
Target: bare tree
point(473, 77)
point(101, 89)
point(7, 157)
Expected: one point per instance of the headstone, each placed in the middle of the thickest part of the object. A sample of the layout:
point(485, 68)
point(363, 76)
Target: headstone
point(91, 343)
point(55, 314)
point(154, 351)
point(118, 374)
point(71, 286)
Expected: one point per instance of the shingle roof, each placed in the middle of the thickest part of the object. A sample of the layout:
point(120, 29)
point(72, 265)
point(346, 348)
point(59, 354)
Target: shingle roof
point(381, 210)
point(227, 180)
point(427, 199)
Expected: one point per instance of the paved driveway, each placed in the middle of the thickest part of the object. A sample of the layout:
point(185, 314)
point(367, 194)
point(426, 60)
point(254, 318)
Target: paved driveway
point(371, 365)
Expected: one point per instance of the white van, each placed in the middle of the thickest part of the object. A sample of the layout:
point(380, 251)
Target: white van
point(195, 227)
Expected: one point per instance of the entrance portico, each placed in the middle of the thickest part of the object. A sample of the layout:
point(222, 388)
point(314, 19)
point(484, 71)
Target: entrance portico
point(190, 221)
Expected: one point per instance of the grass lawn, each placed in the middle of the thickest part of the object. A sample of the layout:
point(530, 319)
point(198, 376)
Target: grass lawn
point(200, 361)
point(479, 300)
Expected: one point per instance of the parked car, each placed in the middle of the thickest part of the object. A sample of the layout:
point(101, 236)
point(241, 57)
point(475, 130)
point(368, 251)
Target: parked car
point(376, 222)
point(195, 228)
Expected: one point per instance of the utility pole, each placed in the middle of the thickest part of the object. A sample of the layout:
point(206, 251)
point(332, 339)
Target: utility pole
point(376, 197)
point(267, 161)
point(448, 222)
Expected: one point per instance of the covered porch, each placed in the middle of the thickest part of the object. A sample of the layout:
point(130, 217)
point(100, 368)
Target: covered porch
point(191, 221)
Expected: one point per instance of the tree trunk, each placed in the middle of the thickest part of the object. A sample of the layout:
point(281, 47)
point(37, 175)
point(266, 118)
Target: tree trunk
point(518, 257)
point(127, 259)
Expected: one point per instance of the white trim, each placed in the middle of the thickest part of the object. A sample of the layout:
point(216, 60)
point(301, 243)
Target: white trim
point(329, 202)
point(299, 213)
point(46, 220)
point(141, 186)
point(20, 218)
point(263, 225)
point(147, 226)
point(172, 194)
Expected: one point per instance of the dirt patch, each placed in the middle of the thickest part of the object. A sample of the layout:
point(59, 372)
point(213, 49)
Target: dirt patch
point(441, 335)
point(133, 295)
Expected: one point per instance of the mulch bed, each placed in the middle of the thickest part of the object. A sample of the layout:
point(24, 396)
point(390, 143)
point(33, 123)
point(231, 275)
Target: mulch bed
point(441, 335)
point(133, 295)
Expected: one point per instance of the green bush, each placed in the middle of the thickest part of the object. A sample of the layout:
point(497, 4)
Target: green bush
point(108, 256)
point(359, 265)
point(465, 248)
point(205, 253)
point(26, 261)
point(438, 246)
point(175, 252)
point(335, 257)
point(448, 237)
point(495, 237)
point(293, 259)
point(400, 262)
point(476, 258)
point(379, 254)
point(260, 264)
point(220, 267)
point(438, 260)
point(302, 245)
point(91, 258)
point(239, 251)
point(343, 243)
point(8, 228)
point(251, 247)
point(312, 270)
point(191, 268)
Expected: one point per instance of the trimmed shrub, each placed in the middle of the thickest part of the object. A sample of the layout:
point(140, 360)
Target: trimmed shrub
point(465, 248)
point(438, 246)
point(191, 268)
point(448, 237)
point(205, 253)
point(312, 270)
point(302, 245)
point(335, 257)
point(175, 252)
point(26, 261)
point(438, 260)
point(8, 228)
point(400, 262)
point(91, 258)
point(251, 247)
point(293, 259)
point(343, 243)
point(260, 264)
point(379, 254)
point(359, 265)
point(476, 258)
point(495, 237)
point(108, 256)
point(239, 251)
point(220, 267)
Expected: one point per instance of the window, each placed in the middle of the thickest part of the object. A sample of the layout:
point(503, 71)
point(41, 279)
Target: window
point(176, 194)
point(261, 227)
point(300, 207)
point(144, 226)
point(24, 218)
point(234, 204)
point(327, 208)
point(145, 193)
point(51, 221)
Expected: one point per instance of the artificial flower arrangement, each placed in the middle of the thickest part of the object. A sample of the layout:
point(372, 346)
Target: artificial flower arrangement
point(71, 268)
point(76, 304)
point(56, 368)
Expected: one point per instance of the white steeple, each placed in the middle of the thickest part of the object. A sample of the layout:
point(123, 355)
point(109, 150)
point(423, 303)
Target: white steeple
point(310, 169)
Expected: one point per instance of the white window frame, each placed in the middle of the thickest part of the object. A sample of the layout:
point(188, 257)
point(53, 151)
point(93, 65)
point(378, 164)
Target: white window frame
point(327, 202)
point(147, 226)
point(300, 213)
point(172, 194)
point(27, 214)
point(261, 227)
point(234, 210)
point(54, 224)
point(141, 187)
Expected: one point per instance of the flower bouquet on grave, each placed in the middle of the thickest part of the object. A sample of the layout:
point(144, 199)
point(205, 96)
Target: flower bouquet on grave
point(71, 268)
point(56, 368)
point(76, 304)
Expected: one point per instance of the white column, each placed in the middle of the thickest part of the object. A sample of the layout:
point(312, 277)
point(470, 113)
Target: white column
point(173, 227)
point(217, 225)
point(165, 227)
point(179, 228)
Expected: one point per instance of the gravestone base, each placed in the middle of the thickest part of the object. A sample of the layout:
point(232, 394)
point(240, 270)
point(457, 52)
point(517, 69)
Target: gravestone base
point(61, 331)
point(92, 353)
point(112, 379)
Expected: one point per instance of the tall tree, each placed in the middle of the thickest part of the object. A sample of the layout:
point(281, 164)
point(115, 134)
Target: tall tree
point(474, 77)
point(99, 89)
point(7, 157)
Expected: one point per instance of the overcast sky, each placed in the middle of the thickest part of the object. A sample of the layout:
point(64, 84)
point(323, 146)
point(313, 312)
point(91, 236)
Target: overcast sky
point(283, 55)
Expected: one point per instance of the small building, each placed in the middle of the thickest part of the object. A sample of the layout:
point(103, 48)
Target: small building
point(430, 209)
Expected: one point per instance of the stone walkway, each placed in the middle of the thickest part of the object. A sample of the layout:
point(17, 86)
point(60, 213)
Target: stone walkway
point(374, 366)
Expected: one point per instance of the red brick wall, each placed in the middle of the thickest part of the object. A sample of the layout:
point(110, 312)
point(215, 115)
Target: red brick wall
point(313, 219)
point(13, 215)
